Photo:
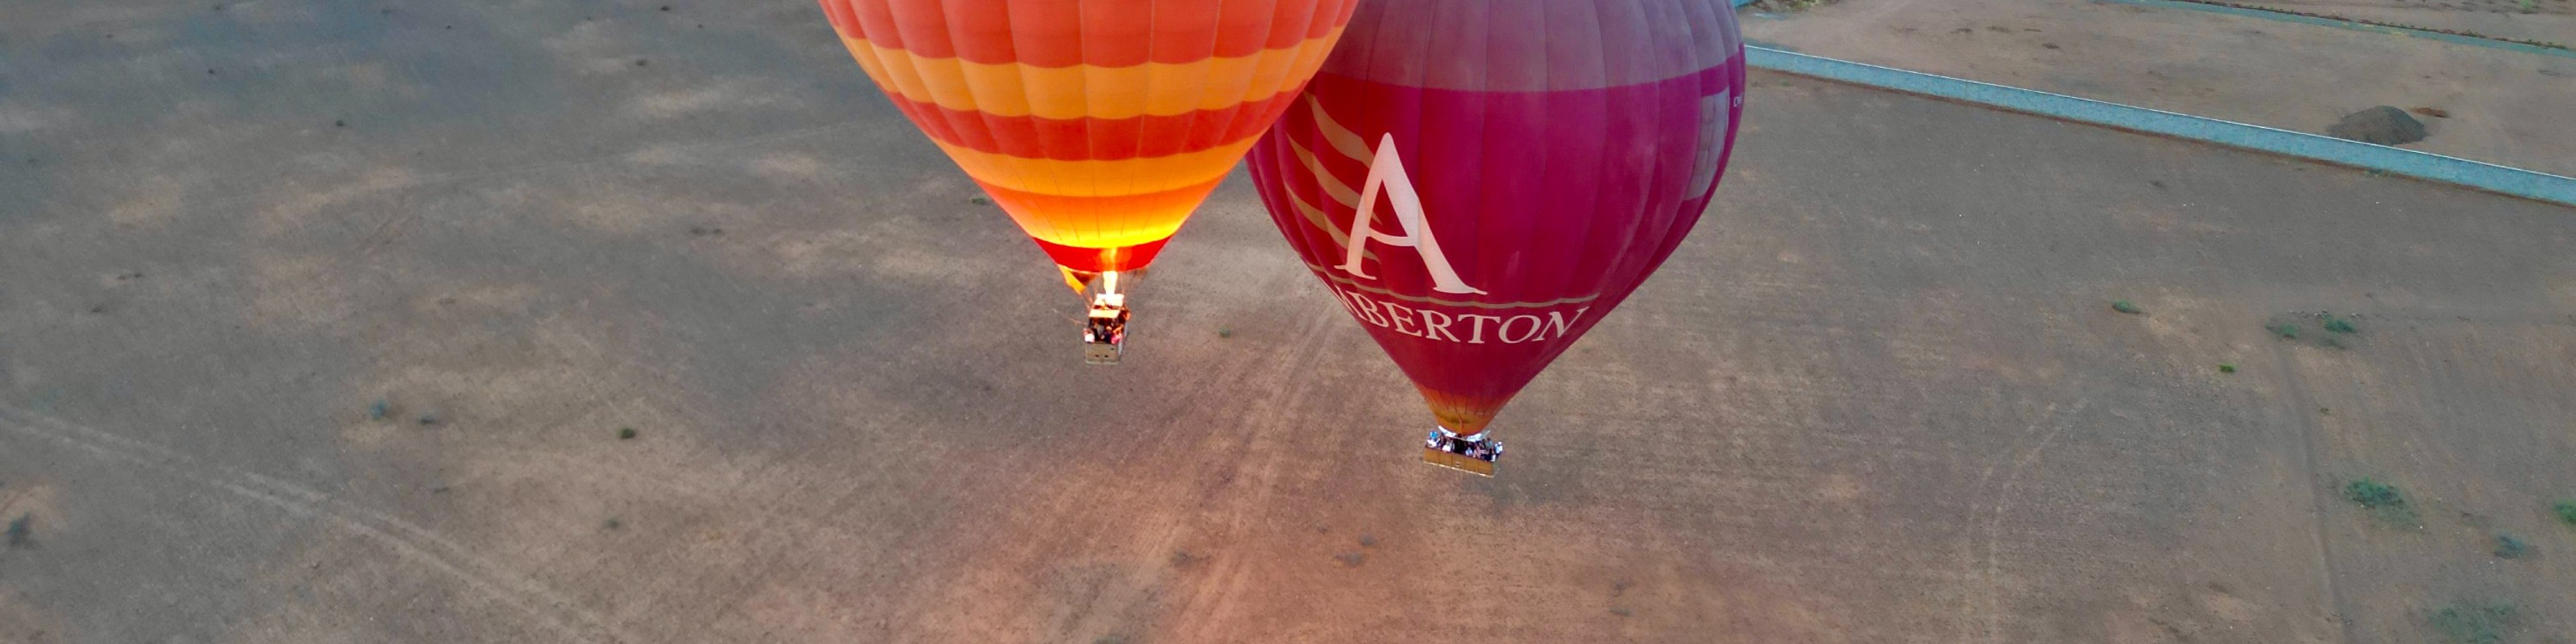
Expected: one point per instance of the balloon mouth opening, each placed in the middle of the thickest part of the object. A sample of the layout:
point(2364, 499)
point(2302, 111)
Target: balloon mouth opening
point(1094, 284)
point(1100, 260)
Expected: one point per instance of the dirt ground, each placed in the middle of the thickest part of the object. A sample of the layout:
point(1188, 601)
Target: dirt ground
point(334, 344)
point(2504, 107)
point(2541, 20)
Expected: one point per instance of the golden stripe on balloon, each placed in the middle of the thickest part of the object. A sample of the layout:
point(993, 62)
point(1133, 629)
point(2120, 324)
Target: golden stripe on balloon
point(1095, 177)
point(1056, 33)
point(1094, 138)
point(1078, 91)
point(1094, 123)
point(1101, 222)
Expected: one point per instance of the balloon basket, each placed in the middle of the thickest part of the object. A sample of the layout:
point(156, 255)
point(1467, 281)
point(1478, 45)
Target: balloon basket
point(1104, 329)
point(1470, 454)
point(1102, 353)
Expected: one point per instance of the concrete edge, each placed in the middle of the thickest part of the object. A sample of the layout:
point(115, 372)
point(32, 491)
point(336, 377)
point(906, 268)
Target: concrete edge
point(2356, 26)
point(2433, 167)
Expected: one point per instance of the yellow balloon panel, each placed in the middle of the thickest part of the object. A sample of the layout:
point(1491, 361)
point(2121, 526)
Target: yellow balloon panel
point(1099, 125)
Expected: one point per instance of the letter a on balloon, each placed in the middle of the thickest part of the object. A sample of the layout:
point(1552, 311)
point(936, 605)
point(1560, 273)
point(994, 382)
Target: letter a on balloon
point(1386, 173)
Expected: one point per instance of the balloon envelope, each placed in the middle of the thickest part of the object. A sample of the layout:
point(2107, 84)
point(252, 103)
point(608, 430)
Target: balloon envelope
point(1097, 124)
point(1523, 166)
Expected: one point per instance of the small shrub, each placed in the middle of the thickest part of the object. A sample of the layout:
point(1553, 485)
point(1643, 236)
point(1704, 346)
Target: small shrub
point(625, 433)
point(2286, 330)
point(980, 200)
point(2473, 624)
point(2567, 511)
point(22, 531)
point(2374, 494)
point(377, 411)
point(2339, 325)
point(2227, 367)
point(2508, 547)
point(2124, 306)
point(1786, 6)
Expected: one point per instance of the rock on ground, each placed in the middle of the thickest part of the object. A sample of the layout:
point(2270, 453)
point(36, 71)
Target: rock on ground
point(2383, 125)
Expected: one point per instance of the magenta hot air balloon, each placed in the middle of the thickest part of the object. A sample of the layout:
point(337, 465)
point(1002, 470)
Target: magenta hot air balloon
point(1480, 181)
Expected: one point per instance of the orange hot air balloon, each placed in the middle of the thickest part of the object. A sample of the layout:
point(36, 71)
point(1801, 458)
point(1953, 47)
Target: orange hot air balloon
point(1099, 125)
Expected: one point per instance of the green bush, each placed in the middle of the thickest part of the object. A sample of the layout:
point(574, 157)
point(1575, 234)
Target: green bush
point(2374, 494)
point(2286, 330)
point(2339, 325)
point(21, 532)
point(2508, 547)
point(2124, 306)
point(2485, 624)
point(2567, 511)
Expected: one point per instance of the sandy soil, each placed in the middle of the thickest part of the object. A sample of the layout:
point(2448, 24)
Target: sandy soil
point(2504, 107)
point(1879, 397)
point(2541, 20)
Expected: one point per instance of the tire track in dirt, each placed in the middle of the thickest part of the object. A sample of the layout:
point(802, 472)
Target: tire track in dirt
point(1087, 549)
point(1246, 476)
point(1985, 566)
point(1209, 605)
point(409, 541)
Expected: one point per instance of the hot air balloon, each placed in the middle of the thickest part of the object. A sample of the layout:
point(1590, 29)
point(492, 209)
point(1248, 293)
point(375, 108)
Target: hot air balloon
point(1097, 124)
point(1478, 182)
